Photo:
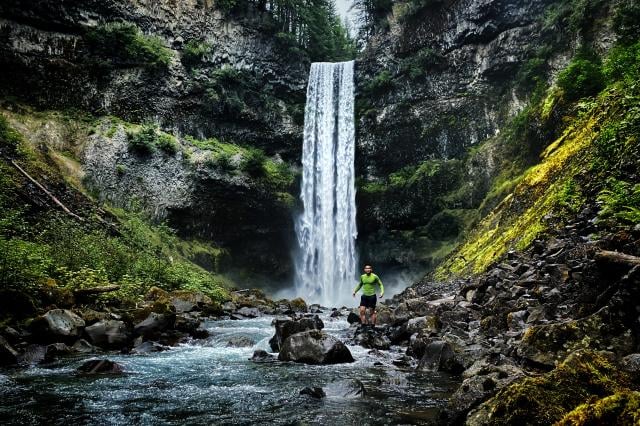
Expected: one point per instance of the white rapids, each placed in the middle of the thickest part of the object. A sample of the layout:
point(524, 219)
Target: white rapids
point(326, 229)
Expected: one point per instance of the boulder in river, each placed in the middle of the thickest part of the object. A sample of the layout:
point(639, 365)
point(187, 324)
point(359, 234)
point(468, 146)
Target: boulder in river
point(247, 312)
point(100, 366)
point(58, 325)
point(262, 356)
point(288, 327)
point(240, 342)
point(298, 305)
point(108, 334)
point(314, 392)
point(371, 338)
point(32, 355)
point(353, 318)
point(439, 356)
point(314, 347)
point(82, 346)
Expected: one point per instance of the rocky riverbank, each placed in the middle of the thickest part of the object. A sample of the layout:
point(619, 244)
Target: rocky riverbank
point(164, 319)
point(546, 335)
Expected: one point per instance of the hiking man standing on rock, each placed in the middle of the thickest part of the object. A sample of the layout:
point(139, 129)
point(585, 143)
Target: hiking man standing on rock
point(368, 281)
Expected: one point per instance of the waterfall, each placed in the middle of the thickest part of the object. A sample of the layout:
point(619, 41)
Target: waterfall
point(326, 229)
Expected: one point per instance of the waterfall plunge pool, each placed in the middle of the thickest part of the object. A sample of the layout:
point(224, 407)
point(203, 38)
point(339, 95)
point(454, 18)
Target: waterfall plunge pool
point(207, 382)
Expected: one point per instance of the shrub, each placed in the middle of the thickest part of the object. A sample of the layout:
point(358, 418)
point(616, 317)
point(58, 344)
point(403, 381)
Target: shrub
point(194, 52)
point(623, 63)
point(380, 84)
point(125, 43)
point(253, 162)
point(167, 143)
point(620, 201)
point(143, 141)
point(626, 21)
point(583, 77)
point(417, 65)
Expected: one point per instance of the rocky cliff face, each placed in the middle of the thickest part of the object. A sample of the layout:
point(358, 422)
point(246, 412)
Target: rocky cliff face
point(50, 59)
point(190, 70)
point(438, 91)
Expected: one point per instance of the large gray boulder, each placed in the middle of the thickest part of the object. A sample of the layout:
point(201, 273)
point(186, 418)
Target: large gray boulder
point(288, 327)
point(314, 347)
point(108, 334)
point(153, 325)
point(58, 325)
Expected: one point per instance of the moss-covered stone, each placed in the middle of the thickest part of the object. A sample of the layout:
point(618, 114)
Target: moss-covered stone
point(298, 304)
point(621, 408)
point(548, 398)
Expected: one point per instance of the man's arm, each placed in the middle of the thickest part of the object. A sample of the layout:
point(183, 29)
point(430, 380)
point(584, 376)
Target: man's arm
point(357, 288)
point(381, 287)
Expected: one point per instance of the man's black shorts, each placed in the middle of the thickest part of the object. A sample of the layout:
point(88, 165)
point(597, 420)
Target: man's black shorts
point(368, 301)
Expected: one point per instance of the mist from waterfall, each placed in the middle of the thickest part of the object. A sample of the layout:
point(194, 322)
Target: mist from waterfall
point(326, 229)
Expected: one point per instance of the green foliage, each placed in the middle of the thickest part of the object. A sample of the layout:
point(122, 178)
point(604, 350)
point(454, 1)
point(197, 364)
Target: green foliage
point(145, 140)
point(374, 14)
point(570, 197)
point(23, 264)
point(253, 162)
point(194, 52)
point(417, 65)
point(8, 135)
point(378, 85)
point(626, 20)
point(167, 144)
point(124, 43)
point(414, 9)
point(623, 63)
point(620, 200)
point(583, 77)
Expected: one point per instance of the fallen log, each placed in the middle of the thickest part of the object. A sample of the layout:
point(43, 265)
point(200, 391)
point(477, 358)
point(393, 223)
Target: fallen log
point(95, 290)
point(606, 256)
point(46, 191)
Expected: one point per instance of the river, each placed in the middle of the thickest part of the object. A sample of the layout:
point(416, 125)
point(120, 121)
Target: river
point(207, 382)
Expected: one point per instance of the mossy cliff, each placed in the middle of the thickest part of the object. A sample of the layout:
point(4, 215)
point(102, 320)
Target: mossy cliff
point(446, 92)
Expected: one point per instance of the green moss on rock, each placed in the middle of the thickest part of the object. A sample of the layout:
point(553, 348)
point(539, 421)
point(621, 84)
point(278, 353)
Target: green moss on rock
point(622, 408)
point(548, 398)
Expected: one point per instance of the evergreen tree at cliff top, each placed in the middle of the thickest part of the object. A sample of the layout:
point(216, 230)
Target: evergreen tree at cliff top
point(309, 25)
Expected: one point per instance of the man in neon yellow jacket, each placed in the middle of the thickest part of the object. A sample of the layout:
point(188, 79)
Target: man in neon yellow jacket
point(368, 281)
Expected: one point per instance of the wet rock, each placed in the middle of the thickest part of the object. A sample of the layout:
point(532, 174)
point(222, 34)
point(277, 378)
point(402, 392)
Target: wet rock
point(148, 347)
point(240, 342)
point(187, 323)
point(631, 364)
point(335, 313)
point(57, 350)
point(384, 315)
point(314, 392)
point(108, 334)
point(82, 346)
point(152, 325)
point(288, 327)
point(262, 356)
point(100, 366)
point(314, 347)
point(58, 325)
point(440, 356)
point(353, 318)
point(424, 325)
point(371, 339)
point(229, 306)
point(315, 308)
point(298, 305)
point(32, 355)
point(188, 301)
point(248, 312)
point(544, 400)
point(8, 355)
point(345, 389)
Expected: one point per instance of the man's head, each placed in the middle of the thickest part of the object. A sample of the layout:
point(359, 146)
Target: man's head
point(368, 269)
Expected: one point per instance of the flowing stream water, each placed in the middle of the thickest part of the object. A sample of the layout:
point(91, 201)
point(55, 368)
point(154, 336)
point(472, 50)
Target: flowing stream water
point(326, 229)
point(207, 382)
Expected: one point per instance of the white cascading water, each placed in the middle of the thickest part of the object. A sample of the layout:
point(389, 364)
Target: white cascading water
point(326, 229)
